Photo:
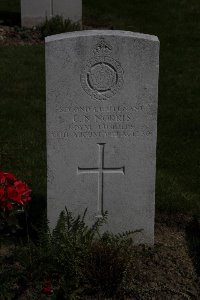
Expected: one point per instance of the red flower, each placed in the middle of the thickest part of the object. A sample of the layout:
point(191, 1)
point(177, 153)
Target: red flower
point(2, 198)
point(12, 191)
point(6, 205)
point(2, 194)
point(23, 190)
point(9, 206)
point(7, 178)
point(47, 288)
point(14, 196)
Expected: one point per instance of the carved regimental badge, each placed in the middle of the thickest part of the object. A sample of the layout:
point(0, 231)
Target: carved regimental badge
point(102, 76)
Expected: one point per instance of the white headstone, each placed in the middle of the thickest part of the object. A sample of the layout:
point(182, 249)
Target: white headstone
point(101, 127)
point(34, 12)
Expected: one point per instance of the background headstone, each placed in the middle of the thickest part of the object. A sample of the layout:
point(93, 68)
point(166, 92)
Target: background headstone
point(33, 12)
point(101, 127)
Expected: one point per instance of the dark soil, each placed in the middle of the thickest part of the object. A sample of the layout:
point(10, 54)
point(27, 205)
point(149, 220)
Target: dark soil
point(14, 35)
point(167, 272)
point(19, 36)
point(164, 271)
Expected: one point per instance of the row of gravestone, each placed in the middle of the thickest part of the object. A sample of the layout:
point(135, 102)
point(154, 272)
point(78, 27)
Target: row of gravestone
point(34, 12)
point(101, 109)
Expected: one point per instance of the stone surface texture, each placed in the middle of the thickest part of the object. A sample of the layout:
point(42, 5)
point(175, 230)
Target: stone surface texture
point(101, 89)
point(34, 12)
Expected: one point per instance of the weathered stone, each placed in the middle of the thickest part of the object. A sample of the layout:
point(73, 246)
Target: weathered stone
point(101, 127)
point(34, 12)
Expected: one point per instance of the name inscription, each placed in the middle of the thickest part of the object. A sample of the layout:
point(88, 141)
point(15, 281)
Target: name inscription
point(98, 122)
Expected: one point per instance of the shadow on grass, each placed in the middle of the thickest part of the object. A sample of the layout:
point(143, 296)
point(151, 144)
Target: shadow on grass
point(10, 18)
point(193, 242)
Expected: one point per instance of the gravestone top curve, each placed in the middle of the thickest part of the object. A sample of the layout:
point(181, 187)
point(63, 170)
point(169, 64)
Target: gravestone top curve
point(108, 33)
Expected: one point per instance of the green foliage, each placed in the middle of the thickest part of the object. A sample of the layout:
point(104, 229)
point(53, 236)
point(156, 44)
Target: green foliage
point(76, 258)
point(61, 253)
point(57, 25)
point(107, 263)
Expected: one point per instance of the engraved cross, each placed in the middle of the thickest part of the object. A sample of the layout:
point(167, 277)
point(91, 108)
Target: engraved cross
point(101, 170)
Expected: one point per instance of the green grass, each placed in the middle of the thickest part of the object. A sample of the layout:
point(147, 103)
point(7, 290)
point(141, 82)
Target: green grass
point(177, 24)
point(10, 6)
point(22, 117)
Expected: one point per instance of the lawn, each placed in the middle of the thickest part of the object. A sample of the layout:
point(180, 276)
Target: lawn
point(10, 6)
point(22, 117)
point(22, 121)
